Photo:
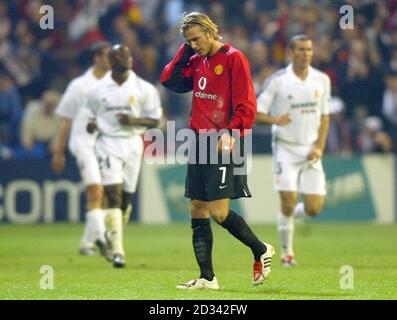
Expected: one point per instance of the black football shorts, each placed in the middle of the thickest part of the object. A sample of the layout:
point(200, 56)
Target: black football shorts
point(226, 179)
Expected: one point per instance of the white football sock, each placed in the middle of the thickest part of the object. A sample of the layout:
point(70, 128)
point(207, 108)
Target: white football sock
point(286, 231)
point(97, 217)
point(299, 211)
point(114, 224)
point(87, 241)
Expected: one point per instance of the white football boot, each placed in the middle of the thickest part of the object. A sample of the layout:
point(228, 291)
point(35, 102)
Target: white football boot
point(199, 284)
point(261, 268)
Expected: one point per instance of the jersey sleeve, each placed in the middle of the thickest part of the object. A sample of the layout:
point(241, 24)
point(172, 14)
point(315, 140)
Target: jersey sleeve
point(325, 107)
point(92, 104)
point(152, 104)
point(176, 75)
point(243, 93)
point(267, 96)
point(70, 102)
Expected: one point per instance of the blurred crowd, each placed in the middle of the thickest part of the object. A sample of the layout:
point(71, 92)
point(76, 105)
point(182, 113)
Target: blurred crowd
point(37, 64)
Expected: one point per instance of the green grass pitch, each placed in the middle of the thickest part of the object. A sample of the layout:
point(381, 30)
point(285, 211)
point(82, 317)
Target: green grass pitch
point(159, 257)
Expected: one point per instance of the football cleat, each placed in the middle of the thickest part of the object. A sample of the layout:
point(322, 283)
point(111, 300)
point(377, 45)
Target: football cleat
point(199, 284)
point(288, 261)
point(262, 267)
point(105, 248)
point(127, 214)
point(87, 251)
point(118, 260)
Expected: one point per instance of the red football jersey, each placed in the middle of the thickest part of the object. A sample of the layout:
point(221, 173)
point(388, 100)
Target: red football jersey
point(223, 92)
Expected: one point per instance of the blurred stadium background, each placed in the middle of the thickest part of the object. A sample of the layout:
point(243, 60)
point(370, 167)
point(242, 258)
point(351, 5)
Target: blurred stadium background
point(36, 65)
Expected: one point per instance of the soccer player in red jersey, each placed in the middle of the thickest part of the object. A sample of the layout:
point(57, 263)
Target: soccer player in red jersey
point(223, 101)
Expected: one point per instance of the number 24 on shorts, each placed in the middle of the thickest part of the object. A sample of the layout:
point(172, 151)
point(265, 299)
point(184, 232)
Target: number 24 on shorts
point(104, 163)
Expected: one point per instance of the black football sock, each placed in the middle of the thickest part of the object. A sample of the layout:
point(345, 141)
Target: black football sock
point(126, 200)
point(202, 244)
point(237, 226)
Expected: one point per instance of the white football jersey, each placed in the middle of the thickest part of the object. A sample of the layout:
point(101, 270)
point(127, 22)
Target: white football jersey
point(135, 97)
point(71, 107)
point(305, 101)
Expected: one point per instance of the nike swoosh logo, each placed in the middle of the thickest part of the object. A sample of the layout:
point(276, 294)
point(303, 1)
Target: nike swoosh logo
point(222, 187)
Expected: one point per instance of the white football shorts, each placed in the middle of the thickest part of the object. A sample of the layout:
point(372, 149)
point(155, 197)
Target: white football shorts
point(88, 166)
point(292, 171)
point(120, 160)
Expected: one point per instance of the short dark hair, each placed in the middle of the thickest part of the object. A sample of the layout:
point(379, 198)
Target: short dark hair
point(97, 47)
point(298, 37)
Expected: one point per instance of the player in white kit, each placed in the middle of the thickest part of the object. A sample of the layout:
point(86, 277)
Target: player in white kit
point(295, 100)
point(123, 106)
point(81, 144)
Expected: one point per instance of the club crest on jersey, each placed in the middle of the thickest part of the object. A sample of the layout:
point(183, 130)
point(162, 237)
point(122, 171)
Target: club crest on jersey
point(317, 93)
point(218, 69)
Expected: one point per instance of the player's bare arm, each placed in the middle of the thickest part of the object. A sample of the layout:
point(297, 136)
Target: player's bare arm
point(58, 156)
point(317, 152)
point(128, 120)
point(264, 118)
